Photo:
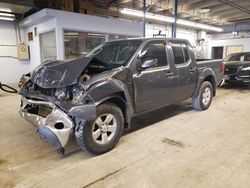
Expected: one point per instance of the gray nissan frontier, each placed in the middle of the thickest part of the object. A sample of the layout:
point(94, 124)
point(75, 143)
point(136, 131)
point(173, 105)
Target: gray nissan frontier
point(94, 98)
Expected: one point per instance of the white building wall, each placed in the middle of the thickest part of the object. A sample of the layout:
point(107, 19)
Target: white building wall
point(11, 68)
point(88, 23)
point(227, 40)
point(188, 34)
point(43, 27)
point(49, 19)
point(153, 29)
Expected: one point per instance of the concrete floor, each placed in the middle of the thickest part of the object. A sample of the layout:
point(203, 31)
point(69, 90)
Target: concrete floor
point(173, 147)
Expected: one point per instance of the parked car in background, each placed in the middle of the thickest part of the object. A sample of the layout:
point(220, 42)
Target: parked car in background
point(237, 68)
point(95, 97)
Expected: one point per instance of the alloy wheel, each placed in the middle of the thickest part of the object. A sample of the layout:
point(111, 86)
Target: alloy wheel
point(206, 96)
point(104, 128)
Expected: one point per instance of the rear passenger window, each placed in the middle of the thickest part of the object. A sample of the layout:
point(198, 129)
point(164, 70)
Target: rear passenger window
point(180, 51)
point(156, 50)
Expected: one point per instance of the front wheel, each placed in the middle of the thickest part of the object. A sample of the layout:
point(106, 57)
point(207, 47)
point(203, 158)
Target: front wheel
point(204, 98)
point(102, 134)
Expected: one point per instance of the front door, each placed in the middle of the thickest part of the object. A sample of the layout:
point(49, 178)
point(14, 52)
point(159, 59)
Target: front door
point(155, 86)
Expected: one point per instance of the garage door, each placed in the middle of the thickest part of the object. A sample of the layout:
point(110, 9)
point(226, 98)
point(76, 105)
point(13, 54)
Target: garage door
point(234, 49)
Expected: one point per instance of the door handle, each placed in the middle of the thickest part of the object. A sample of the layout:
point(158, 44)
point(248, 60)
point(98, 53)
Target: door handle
point(169, 73)
point(192, 69)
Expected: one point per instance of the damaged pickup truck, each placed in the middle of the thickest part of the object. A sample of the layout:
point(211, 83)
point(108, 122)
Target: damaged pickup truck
point(94, 97)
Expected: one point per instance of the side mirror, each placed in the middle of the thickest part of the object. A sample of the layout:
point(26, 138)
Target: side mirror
point(149, 63)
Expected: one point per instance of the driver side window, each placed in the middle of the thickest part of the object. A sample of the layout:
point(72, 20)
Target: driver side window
point(156, 50)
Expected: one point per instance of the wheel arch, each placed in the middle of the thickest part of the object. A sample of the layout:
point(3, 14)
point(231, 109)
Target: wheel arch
point(206, 75)
point(211, 79)
point(114, 91)
point(118, 99)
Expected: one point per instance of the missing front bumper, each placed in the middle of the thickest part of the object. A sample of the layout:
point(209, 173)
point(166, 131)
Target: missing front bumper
point(54, 125)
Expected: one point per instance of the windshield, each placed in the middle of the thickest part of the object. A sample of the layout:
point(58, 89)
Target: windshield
point(115, 53)
point(235, 57)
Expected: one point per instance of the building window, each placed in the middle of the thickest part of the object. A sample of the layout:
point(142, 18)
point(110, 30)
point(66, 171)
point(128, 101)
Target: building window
point(77, 44)
point(48, 46)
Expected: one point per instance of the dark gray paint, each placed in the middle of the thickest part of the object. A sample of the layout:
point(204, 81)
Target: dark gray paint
point(140, 90)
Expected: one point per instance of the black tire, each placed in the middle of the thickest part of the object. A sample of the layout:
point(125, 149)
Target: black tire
point(83, 133)
point(197, 101)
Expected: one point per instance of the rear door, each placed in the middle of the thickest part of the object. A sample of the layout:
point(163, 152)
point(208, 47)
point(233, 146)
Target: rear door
point(154, 87)
point(186, 68)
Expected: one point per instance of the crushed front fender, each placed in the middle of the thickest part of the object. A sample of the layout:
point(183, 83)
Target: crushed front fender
point(55, 119)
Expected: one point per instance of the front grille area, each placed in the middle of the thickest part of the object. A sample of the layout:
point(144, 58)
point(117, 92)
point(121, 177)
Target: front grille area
point(47, 92)
point(230, 71)
point(34, 88)
point(40, 110)
point(244, 73)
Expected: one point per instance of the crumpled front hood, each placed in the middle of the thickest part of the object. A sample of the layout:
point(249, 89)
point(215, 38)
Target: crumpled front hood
point(57, 74)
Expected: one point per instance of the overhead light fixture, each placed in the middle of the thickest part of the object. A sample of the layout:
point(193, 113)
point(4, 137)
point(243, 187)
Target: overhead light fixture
point(6, 14)
point(5, 9)
point(148, 15)
point(198, 25)
point(169, 19)
point(204, 10)
point(96, 34)
point(7, 18)
point(71, 33)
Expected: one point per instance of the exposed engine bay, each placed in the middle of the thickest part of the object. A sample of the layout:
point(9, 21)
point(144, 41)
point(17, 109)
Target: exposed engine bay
point(95, 66)
point(67, 93)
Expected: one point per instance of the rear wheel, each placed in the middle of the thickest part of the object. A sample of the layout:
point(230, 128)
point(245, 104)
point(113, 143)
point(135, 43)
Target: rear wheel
point(204, 98)
point(102, 134)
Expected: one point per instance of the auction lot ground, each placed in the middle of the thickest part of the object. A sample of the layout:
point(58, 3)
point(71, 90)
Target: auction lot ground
point(172, 147)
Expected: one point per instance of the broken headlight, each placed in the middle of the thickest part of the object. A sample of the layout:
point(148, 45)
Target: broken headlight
point(79, 95)
point(61, 93)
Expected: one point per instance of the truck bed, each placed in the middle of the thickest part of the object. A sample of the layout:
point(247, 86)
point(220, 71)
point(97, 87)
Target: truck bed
point(215, 64)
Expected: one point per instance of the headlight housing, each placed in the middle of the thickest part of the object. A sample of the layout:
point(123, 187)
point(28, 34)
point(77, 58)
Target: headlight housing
point(61, 93)
point(80, 96)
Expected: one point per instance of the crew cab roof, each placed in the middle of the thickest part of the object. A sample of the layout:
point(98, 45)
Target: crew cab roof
point(150, 39)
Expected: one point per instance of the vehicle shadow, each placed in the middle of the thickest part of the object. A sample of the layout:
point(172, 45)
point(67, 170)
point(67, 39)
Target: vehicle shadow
point(139, 122)
point(236, 86)
point(150, 118)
